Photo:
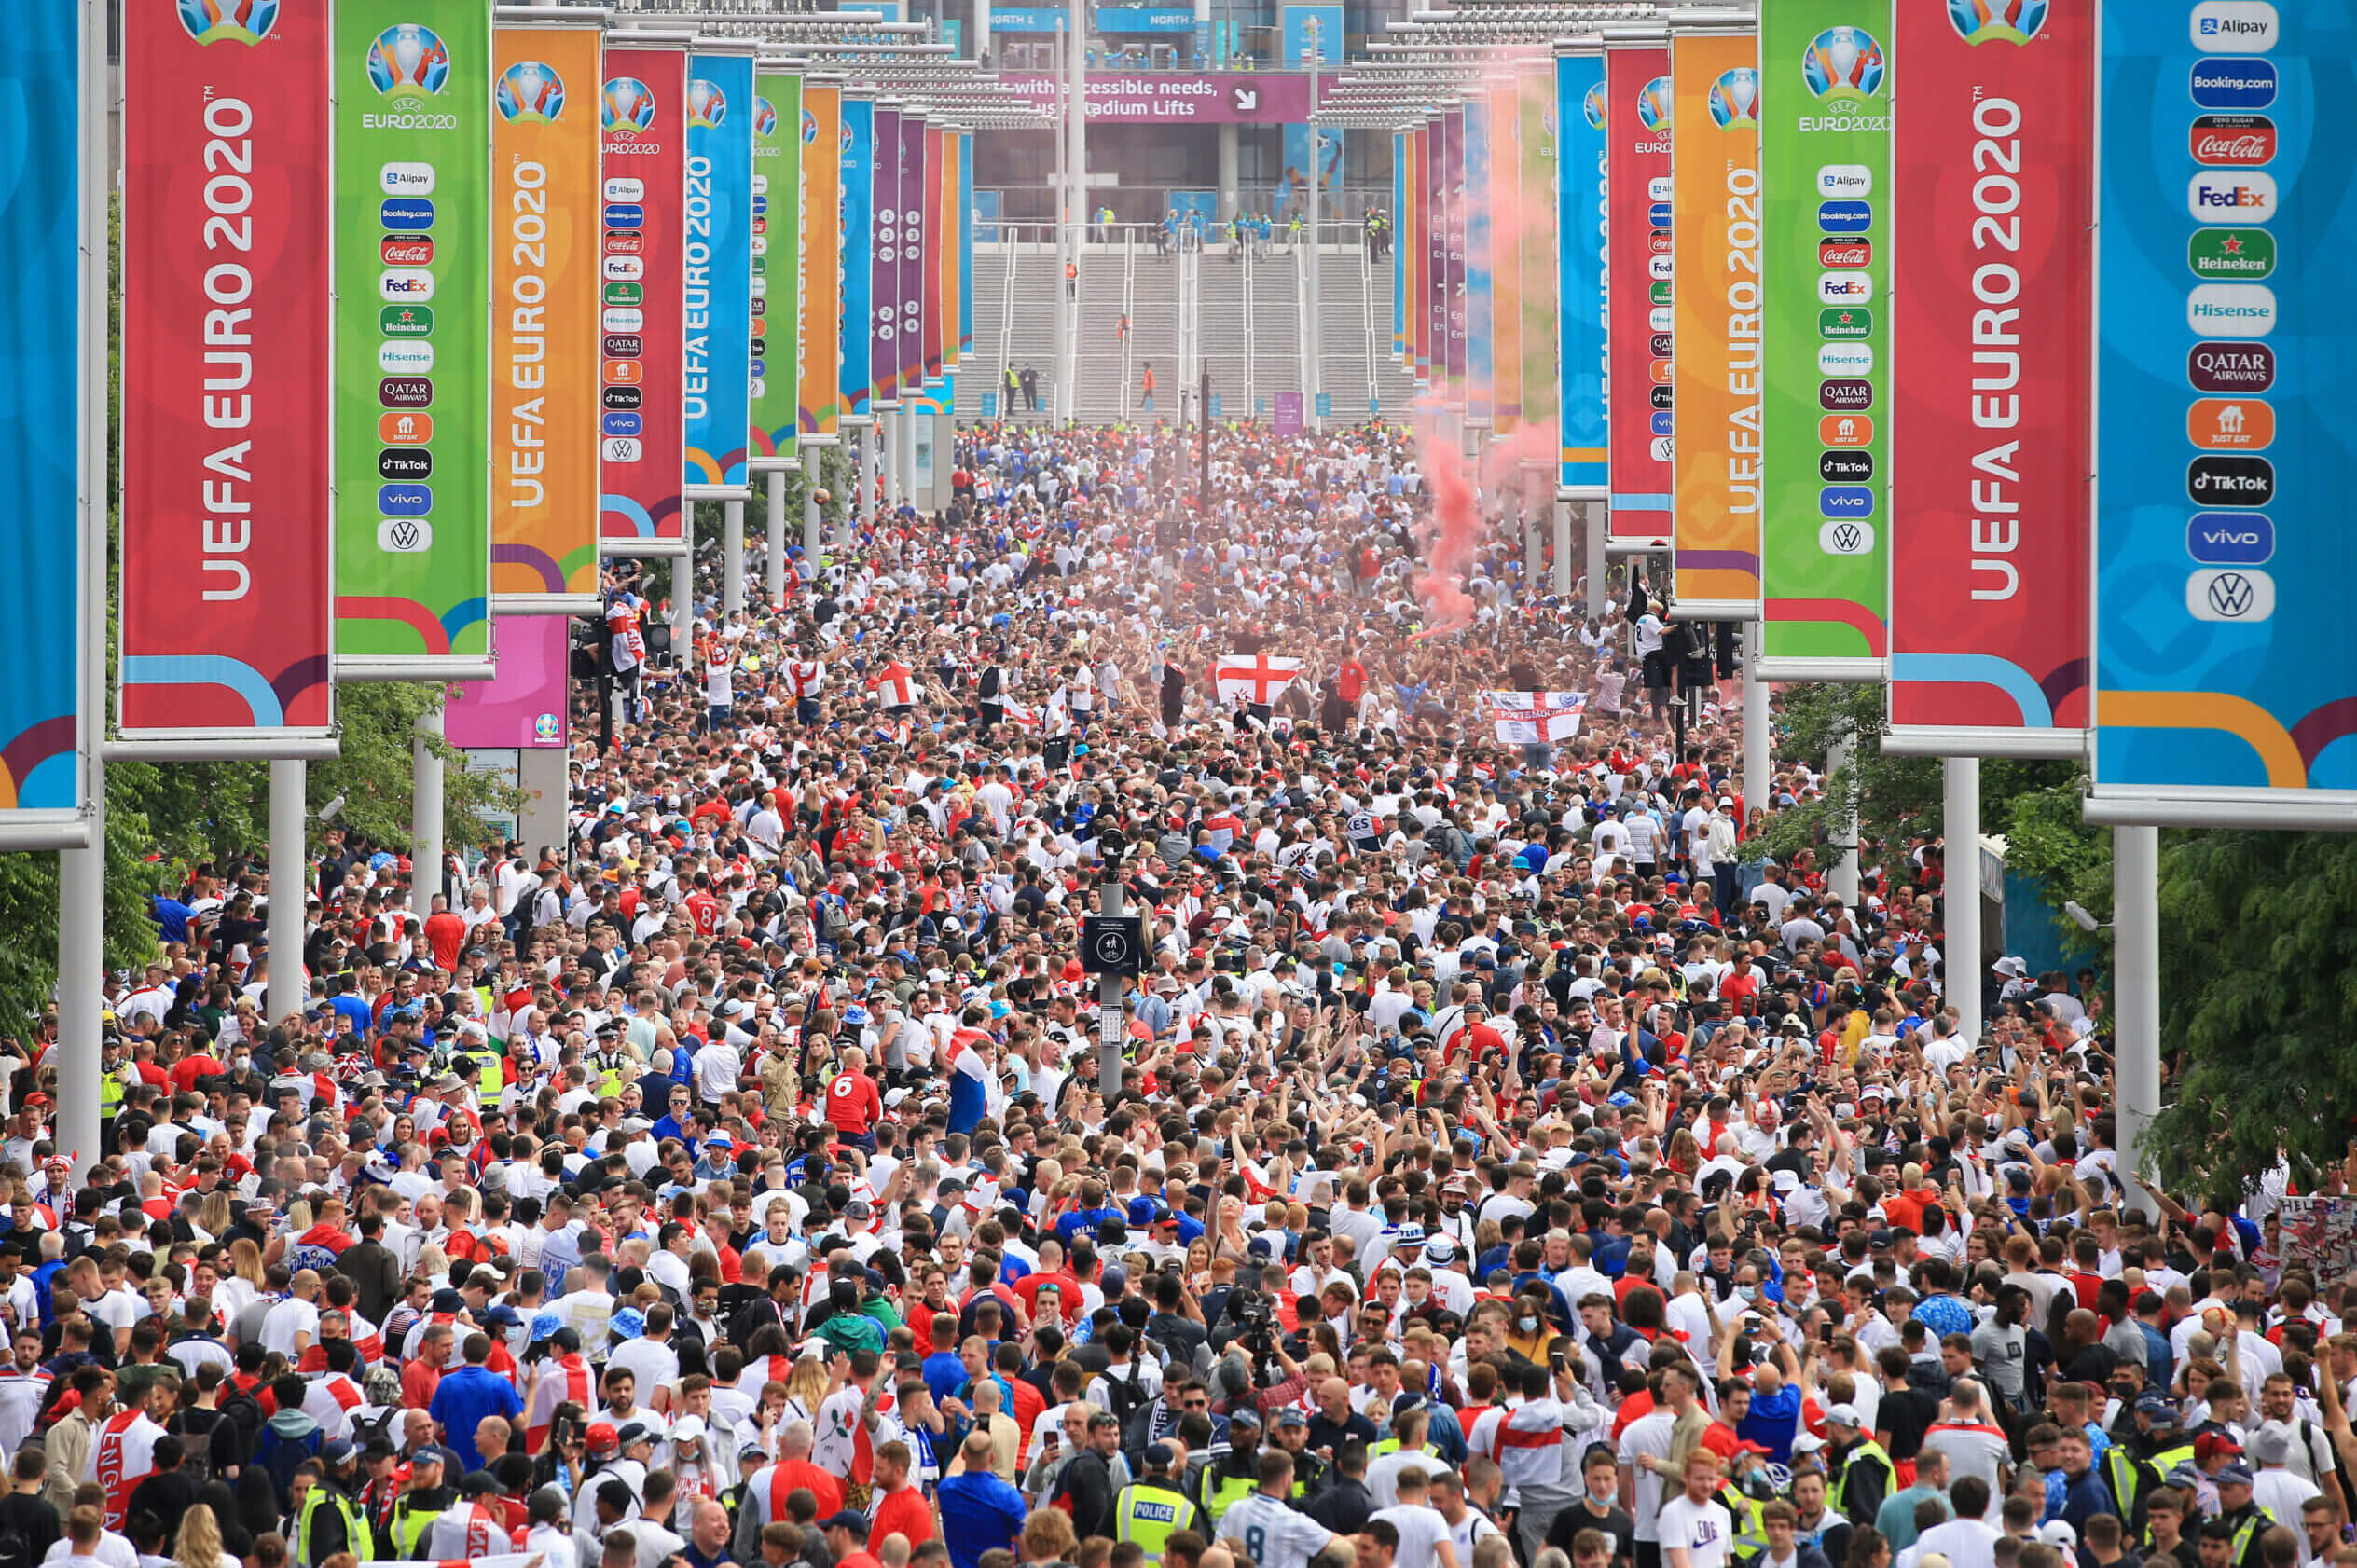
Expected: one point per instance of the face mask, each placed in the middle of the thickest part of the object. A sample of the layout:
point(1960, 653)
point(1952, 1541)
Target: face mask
point(1529, 1325)
point(1748, 1293)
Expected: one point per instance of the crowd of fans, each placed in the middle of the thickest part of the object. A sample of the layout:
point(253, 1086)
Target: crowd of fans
point(1497, 1159)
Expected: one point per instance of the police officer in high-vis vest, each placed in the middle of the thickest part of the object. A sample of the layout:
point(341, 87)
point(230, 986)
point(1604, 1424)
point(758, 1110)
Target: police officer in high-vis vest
point(1859, 1473)
point(2133, 1471)
point(1744, 1493)
point(1235, 1475)
point(428, 1496)
point(1151, 1510)
point(332, 1519)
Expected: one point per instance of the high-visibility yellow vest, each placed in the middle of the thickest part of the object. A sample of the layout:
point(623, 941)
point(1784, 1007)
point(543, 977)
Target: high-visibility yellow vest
point(409, 1525)
point(1150, 1514)
point(356, 1540)
point(1223, 1488)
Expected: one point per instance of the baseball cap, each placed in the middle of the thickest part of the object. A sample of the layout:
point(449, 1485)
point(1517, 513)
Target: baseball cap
point(1844, 1415)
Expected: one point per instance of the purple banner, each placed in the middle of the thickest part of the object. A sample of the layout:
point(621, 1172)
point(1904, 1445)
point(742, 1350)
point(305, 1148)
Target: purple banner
point(524, 705)
point(1287, 420)
point(914, 248)
point(1452, 288)
point(884, 290)
point(1178, 97)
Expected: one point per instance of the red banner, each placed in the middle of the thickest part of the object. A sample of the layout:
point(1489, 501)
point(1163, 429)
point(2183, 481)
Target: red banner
point(1637, 85)
point(642, 371)
point(226, 549)
point(1990, 319)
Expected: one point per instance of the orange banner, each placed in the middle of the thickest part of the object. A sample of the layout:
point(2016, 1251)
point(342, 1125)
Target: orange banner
point(948, 250)
point(1714, 229)
point(546, 155)
point(822, 257)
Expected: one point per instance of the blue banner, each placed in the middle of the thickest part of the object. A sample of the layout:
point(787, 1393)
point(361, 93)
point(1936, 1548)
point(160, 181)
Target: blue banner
point(1292, 183)
point(985, 205)
point(965, 240)
point(2223, 448)
point(1303, 23)
point(720, 266)
point(1029, 18)
point(40, 214)
point(1579, 146)
point(859, 232)
point(1146, 19)
point(1480, 404)
point(1398, 256)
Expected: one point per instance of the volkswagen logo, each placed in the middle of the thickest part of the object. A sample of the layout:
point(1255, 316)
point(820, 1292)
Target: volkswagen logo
point(1846, 539)
point(2231, 594)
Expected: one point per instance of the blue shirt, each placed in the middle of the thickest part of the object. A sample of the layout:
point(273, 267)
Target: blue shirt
point(1943, 1316)
point(1773, 1423)
point(979, 1513)
point(944, 1374)
point(461, 1400)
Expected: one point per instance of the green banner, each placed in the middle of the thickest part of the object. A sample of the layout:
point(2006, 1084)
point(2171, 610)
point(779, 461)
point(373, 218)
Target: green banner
point(1535, 96)
point(1824, 146)
point(412, 361)
point(777, 267)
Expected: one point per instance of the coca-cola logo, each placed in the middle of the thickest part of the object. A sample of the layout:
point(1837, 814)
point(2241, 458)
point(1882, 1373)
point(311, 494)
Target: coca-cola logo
point(2233, 141)
point(1845, 253)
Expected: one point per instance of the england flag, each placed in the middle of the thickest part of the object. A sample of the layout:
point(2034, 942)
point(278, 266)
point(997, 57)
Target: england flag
point(1536, 718)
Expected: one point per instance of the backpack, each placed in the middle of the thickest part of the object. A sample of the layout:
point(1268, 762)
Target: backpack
point(240, 1426)
point(279, 1457)
point(1134, 1407)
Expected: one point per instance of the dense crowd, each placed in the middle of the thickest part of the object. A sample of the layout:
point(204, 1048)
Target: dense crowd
point(1499, 1159)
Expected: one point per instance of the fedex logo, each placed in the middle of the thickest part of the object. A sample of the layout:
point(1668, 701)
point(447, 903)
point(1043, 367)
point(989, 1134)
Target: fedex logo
point(2246, 196)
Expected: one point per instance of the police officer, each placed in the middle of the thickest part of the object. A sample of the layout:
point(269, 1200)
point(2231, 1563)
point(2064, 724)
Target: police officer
point(332, 1520)
point(427, 1497)
point(1235, 1475)
point(1860, 1473)
point(1310, 1473)
point(1151, 1510)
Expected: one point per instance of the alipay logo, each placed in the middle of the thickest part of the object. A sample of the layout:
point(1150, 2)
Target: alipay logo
point(2235, 26)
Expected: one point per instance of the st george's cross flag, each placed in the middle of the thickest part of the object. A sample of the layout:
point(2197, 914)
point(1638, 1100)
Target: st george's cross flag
point(1255, 677)
point(1536, 718)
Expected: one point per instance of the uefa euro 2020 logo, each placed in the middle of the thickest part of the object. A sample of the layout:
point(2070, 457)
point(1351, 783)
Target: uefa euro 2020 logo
point(227, 22)
point(809, 129)
point(765, 118)
point(1844, 62)
point(408, 61)
point(530, 93)
point(630, 106)
point(1595, 107)
point(1653, 106)
point(545, 727)
point(707, 106)
point(1734, 98)
point(2009, 21)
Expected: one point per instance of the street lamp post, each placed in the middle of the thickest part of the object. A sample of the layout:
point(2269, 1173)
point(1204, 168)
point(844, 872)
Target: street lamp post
point(1316, 379)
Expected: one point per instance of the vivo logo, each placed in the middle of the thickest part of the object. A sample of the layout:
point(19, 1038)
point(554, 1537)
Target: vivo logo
point(1851, 501)
point(2230, 538)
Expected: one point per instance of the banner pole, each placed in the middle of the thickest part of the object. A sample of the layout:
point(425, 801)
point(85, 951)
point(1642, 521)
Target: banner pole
point(1960, 824)
point(774, 559)
point(1599, 592)
point(1563, 548)
point(1842, 877)
point(425, 815)
point(81, 943)
point(863, 497)
point(732, 555)
point(2136, 916)
point(1758, 720)
point(813, 541)
point(289, 780)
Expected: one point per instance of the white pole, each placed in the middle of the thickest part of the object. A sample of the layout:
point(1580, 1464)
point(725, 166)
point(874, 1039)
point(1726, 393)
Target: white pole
point(1842, 877)
point(82, 872)
point(774, 559)
point(1068, 400)
point(2136, 911)
point(1758, 724)
point(288, 781)
point(1563, 548)
point(1314, 173)
point(1598, 594)
point(1960, 824)
point(887, 469)
point(1534, 553)
point(813, 541)
point(732, 556)
point(425, 833)
point(862, 498)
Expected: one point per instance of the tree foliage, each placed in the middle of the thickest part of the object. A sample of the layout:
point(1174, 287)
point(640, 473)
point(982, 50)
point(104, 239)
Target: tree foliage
point(2258, 966)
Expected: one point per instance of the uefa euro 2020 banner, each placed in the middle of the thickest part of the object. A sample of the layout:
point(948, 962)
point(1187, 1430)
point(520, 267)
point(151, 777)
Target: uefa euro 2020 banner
point(2226, 653)
point(1637, 130)
point(412, 393)
point(855, 287)
point(545, 179)
point(1992, 326)
point(1715, 384)
point(641, 374)
point(821, 263)
point(1824, 144)
point(1582, 115)
point(1535, 103)
point(776, 298)
point(718, 297)
point(225, 394)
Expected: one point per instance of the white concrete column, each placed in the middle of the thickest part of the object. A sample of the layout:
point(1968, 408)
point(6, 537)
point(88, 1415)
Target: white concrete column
point(2136, 950)
point(1758, 724)
point(1960, 824)
point(1598, 591)
point(773, 560)
point(732, 556)
point(288, 887)
point(1841, 877)
point(1562, 549)
point(425, 833)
